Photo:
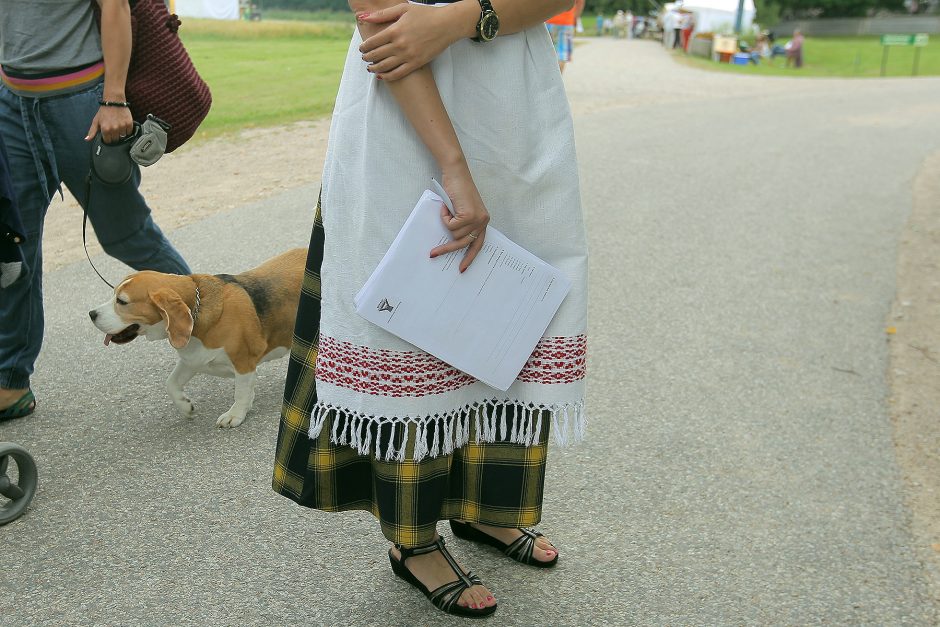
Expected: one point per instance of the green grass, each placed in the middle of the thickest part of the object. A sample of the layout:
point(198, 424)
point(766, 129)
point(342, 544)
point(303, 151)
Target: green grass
point(266, 73)
point(308, 16)
point(839, 56)
point(275, 72)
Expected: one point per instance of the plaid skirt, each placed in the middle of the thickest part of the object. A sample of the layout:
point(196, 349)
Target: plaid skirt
point(499, 484)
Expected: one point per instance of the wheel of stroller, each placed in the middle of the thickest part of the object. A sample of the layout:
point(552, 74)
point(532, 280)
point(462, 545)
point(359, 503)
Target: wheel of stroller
point(18, 481)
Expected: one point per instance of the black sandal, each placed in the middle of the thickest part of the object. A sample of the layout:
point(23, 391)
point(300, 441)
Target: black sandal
point(519, 550)
point(443, 598)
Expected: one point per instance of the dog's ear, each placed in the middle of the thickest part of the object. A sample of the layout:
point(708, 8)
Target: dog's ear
point(179, 320)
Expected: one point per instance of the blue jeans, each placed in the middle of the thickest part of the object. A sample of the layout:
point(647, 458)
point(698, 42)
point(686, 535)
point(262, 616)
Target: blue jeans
point(46, 146)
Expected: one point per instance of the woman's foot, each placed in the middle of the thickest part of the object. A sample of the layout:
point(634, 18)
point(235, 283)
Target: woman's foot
point(8, 397)
point(433, 570)
point(16, 403)
point(543, 551)
point(526, 546)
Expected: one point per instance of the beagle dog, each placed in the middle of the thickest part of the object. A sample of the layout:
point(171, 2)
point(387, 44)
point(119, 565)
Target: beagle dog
point(221, 324)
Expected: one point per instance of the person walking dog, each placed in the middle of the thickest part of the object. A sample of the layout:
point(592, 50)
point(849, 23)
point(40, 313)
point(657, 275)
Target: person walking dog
point(62, 83)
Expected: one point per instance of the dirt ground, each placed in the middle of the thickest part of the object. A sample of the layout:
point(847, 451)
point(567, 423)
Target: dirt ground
point(914, 372)
point(222, 174)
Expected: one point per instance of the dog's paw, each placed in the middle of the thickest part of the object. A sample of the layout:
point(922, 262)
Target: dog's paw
point(230, 419)
point(185, 407)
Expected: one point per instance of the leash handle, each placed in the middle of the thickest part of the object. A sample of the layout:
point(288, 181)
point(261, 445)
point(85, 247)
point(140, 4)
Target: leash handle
point(85, 228)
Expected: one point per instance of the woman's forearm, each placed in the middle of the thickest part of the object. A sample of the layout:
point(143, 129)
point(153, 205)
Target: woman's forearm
point(514, 15)
point(419, 99)
point(115, 46)
point(417, 93)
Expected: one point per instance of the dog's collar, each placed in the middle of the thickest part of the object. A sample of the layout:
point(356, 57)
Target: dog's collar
point(196, 304)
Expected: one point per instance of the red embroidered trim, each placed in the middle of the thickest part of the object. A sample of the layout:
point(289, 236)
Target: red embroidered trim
point(556, 360)
point(415, 373)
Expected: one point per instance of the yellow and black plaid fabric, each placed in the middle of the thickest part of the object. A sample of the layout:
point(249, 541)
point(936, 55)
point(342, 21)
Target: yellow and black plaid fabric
point(497, 484)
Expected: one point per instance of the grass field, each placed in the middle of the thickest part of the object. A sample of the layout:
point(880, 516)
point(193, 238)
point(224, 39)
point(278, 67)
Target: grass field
point(839, 56)
point(309, 16)
point(266, 73)
point(276, 72)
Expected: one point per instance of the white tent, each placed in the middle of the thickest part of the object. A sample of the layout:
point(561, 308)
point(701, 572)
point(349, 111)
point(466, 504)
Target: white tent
point(212, 9)
point(716, 16)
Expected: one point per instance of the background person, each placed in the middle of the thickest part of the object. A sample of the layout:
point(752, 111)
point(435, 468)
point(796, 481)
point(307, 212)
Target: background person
point(761, 49)
point(676, 28)
point(688, 25)
point(56, 69)
point(561, 28)
point(794, 50)
point(620, 24)
point(639, 26)
point(670, 28)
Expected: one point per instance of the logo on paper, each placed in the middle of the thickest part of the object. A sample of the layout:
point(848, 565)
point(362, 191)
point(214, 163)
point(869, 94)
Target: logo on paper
point(386, 306)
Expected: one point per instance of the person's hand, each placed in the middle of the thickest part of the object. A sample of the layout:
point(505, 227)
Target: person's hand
point(418, 34)
point(115, 123)
point(468, 227)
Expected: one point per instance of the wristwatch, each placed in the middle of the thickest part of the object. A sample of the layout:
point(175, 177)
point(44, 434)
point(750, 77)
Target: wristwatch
point(488, 26)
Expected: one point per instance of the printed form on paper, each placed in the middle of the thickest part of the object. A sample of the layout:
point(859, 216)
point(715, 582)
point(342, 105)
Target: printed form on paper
point(486, 321)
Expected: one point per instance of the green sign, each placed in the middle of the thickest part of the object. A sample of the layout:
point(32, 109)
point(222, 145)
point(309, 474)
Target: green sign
point(918, 40)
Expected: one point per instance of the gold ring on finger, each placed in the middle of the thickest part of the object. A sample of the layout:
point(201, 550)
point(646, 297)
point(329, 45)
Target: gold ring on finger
point(473, 236)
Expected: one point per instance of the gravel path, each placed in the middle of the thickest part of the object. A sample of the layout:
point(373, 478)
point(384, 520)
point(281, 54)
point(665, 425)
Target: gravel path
point(740, 467)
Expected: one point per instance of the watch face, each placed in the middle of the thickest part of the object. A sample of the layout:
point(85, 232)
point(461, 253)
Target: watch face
point(489, 26)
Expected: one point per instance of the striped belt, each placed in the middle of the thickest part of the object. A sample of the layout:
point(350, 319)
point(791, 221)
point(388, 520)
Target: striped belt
point(52, 83)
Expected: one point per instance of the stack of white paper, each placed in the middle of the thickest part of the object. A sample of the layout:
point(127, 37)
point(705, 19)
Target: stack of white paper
point(486, 321)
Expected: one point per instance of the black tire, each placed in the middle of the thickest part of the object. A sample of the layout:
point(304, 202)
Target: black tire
point(22, 491)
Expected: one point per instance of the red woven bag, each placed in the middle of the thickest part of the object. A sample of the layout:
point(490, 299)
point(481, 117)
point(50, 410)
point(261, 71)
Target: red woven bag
point(161, 78)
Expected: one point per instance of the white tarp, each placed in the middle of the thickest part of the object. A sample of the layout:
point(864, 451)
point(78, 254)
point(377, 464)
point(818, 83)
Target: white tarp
point(714, 16)
point(212, 9)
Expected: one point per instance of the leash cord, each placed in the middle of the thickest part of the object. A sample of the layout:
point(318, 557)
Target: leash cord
point(85, 228)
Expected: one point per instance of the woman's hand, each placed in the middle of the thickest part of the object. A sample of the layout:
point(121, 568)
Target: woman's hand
point(468, 227)
point(115, 123)
point(417, 34)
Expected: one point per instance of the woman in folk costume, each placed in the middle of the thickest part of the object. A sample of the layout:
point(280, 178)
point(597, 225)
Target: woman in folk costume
point(369, 421)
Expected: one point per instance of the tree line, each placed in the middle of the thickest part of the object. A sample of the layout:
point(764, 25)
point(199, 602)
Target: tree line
point(781, 8)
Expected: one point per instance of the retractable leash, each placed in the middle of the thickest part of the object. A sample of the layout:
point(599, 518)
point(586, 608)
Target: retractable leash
point(85, 229)
point(113, 164)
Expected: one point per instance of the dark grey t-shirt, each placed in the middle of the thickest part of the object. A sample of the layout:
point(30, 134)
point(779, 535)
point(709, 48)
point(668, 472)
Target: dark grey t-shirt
point(38, 36)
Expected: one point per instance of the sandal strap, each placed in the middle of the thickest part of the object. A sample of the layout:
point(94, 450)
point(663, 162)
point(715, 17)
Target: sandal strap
point(23, 404)
point(447, 595)
point(406, 552)
point(438, 545)
point(522, 547)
